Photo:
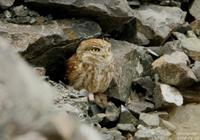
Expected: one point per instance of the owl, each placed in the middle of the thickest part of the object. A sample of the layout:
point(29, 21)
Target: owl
point(91, 67)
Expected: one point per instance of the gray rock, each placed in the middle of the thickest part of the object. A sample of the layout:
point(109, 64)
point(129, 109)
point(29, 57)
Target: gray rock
point(139, 107)
point(150, 119)
point(196, 69)
point(168, 125)
point(156, 22)
point(196, 27)
point(131, 62)
point(152, 134)
point(126, 127)
point(142, 39)
point(173, 69)
point(112, 112)
point(166, 95)
point(105, 12)
point(6, 3)
point(191, 46)
point(127, 118)
point(195, 9)
point(112, 135)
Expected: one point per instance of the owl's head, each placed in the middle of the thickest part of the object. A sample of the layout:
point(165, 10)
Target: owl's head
point(94, 50)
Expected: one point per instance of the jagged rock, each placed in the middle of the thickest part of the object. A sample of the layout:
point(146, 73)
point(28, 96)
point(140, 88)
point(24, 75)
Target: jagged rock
point(150, 119)
point(195, 9)
point(173, 69)
point(131, 62)
point(23, 36)
point(105, 12)
point(112, 112)
point(127, 118)
point(156, 22)
point(191, 46)
point(112, 135)
point(139, 107)
point(196, 27)
point(126, 127)
point(166, 95)
point(6, 3)
point(141, 39)
point(196, 69)
point(186, 120)
point(152, 134)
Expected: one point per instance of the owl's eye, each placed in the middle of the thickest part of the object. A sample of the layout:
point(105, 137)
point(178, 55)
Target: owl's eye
point(95, 49)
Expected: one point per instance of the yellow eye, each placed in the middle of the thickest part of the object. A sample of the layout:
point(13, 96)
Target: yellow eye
point(95, 49)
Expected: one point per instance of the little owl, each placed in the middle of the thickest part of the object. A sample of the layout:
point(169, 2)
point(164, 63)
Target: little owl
point(91, 67)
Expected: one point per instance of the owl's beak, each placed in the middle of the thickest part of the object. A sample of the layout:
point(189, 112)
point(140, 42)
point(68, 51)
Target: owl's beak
point(105, 55)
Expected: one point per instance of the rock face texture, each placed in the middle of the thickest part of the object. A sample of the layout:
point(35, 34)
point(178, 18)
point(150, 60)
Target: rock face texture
point(106, 12)
point(6, 3)
point(157, 22)
point(195, 9)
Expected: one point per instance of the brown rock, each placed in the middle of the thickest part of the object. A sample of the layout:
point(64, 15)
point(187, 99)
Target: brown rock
point(173, 70)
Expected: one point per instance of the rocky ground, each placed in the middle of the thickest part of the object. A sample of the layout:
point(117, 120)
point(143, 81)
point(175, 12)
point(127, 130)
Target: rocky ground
point(155, 92)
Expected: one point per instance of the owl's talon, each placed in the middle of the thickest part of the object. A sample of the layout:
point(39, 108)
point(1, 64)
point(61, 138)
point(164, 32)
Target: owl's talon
point(91, 97)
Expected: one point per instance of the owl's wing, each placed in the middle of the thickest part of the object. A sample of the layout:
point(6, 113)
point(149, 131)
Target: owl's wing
point(71, 68)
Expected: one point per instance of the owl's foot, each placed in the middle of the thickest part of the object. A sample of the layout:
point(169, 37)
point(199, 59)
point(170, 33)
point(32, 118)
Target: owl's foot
point(101, 100)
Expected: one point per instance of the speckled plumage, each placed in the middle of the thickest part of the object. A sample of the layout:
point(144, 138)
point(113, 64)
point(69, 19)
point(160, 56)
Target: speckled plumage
point(91, 67)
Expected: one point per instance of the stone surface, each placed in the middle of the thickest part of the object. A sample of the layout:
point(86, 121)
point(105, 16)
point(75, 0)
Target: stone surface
point(112, 112)
point(171, 127)
point(105, 12)
point(126, 127)
point(127, 118)
point(196, 26)
point(150, 119)
point(195, 9)
point(186, 120)
point(6, 3)
point(166, 95)
point(196, 69)
point(156, 22)
point(152, 134)
point(191, 47)
point(131, 62)
point(173, 69)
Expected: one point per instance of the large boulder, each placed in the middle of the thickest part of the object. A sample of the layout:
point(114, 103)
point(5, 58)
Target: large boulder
point(51, 33)
point(157, 22)
point(6, 3)
point(195, 9)
point(131, 62)
point(105, 12)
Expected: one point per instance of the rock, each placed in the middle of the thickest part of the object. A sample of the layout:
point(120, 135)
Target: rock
point(156, 22)
point(166, 95)
point(186, 120)
point(112, 135)
point(112, 112)
point(30, 136)
point(152, 134)
point(195, 9)
point(126, 127)
point(131, 62)
point(196, 27)
point(6, 3)
point(127, 118)
point(142, 39)
point(139, 107)
point(105, 12)
point(196, 69)
point(150, 119)
point(173, 69)
point(168, 125)
point(191, 46)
